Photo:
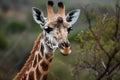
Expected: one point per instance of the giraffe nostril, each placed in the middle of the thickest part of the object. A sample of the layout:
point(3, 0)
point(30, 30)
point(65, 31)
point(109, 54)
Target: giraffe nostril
point(65, 45)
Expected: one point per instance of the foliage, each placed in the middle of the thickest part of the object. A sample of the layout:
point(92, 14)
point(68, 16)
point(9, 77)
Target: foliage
point(2, 21)
point(59, 72)
point(15, 27)
point(3, 42)
point(100, 48)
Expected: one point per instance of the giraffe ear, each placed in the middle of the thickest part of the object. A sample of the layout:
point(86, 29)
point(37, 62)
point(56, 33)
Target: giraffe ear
point(38, 16)
point(72, 16)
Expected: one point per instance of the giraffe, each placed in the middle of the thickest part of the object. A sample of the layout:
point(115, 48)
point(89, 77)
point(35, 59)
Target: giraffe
point(54, 36)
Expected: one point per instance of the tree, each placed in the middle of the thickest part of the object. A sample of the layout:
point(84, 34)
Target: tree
point(100, 47)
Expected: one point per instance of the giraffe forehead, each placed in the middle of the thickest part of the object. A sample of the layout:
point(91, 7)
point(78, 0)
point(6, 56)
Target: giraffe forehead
point(58, 21)
point(55, 17)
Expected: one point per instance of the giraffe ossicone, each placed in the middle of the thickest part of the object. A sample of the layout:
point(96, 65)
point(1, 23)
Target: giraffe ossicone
point(56, 27)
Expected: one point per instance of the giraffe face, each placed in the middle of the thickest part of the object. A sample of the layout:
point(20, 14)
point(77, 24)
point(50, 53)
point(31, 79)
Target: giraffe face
point(56, 33)
point(56, 27)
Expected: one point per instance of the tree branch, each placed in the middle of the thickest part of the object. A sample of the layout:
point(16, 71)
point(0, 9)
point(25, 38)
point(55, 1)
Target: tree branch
point(94, 35)
point(115, 51)
point(116, 34)
point(114, 67)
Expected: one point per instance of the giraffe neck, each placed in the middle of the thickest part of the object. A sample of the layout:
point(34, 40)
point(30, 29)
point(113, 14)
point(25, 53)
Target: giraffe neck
point(37, 65)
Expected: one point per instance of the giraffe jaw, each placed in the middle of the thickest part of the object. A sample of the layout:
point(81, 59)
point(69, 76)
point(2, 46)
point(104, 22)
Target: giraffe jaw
point(49, 47)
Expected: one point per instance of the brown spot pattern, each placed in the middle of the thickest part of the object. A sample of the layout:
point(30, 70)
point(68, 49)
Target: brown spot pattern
point(44, 66)
point(31, 76)
point(48, 56)
point(45, 77)
point(24, 77)
point(50, 59)
point(39, 57)
point(42, 49)
point(38, 73)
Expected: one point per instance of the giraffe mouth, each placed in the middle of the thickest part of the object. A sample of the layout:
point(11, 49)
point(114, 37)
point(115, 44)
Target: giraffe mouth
point(65, 50)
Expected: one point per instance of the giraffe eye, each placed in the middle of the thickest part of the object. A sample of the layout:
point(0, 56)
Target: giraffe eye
point(69, 29)
point(48, 29)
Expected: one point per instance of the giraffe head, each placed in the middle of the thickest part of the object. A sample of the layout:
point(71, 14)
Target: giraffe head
point(56, 27)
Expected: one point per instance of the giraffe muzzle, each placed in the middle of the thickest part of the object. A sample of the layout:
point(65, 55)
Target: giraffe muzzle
point(65, 48)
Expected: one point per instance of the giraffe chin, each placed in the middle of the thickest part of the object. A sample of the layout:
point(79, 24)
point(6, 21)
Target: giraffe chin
point(65, 52)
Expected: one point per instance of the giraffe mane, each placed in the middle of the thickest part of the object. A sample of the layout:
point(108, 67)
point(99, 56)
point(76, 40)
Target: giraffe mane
point(30, 59)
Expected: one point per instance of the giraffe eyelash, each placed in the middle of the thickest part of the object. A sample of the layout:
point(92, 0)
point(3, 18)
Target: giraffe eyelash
point(48, 29)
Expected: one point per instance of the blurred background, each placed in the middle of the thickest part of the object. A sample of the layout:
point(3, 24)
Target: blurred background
point(88, 60)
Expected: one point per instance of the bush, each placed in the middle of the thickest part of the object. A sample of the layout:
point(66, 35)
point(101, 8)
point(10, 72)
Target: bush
point(2, 22)
point(99, 47)
point(3, 42)
point(16, 27)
